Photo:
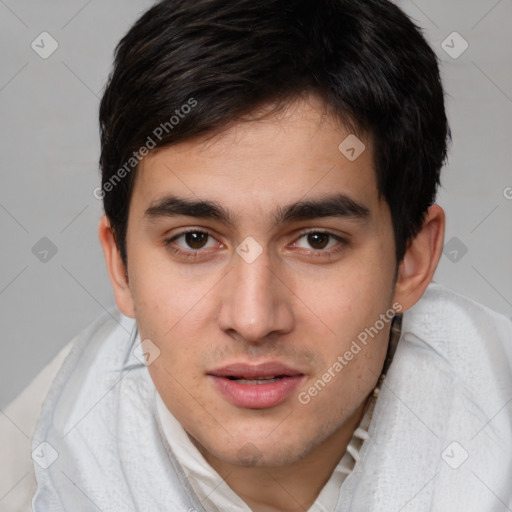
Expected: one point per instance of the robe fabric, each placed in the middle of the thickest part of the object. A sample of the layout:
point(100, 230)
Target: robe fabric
point(440, 436)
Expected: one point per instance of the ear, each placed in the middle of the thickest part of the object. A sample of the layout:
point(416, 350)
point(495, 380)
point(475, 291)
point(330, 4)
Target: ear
point(116, 269)
point(417, 268)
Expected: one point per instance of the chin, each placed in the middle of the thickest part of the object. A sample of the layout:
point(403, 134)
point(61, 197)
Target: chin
point(259, 451)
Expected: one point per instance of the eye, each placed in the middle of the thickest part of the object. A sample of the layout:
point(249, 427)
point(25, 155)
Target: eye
point(194, 243)
point(320, 240)
point(189, 243)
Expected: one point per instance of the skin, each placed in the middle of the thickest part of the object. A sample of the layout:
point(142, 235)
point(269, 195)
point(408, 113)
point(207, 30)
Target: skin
point(294, 303)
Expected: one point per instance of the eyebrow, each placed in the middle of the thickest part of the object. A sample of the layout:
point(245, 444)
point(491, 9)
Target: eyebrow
point(335, 205)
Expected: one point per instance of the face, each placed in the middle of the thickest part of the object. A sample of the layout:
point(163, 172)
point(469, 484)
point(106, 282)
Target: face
point(256, 277)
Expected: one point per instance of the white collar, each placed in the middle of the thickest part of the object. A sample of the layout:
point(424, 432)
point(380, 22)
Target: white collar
point(213, 492)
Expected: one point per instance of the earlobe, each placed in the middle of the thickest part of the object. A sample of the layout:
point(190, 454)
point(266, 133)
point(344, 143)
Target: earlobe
point(421, 258)
point(116, 269)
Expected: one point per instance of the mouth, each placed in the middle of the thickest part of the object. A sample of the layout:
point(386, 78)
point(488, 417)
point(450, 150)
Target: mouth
point(256, 386)
point(258, 380)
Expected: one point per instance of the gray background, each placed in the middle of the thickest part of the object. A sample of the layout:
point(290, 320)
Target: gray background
point(49, 149)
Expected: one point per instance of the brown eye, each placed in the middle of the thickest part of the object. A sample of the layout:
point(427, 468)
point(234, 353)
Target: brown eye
point(195, 239)
point(318, 240)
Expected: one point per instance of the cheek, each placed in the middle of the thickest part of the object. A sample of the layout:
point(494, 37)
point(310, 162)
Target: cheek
point(350, 324)
point(163, 295)
point(352, 363)
point(344, 302)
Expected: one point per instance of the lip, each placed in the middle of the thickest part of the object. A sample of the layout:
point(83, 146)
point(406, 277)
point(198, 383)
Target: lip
point(251, 371)
point(256, 396)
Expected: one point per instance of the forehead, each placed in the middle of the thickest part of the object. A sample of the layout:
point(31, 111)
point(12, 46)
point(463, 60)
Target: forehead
point(258, 164)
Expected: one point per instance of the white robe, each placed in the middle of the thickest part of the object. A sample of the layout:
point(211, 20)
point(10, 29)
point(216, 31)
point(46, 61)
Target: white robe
point(440, 438)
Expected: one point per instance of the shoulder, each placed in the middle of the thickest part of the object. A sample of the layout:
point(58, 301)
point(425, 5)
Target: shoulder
point(21, 417)
point(17, 426)
point(443, 315)
point(465, 339)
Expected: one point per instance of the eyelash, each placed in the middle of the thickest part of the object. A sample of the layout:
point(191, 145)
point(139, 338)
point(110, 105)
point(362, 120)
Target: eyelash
point(194, 254)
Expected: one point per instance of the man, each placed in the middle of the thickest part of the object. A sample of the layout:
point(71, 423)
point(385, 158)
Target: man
point(269, 172)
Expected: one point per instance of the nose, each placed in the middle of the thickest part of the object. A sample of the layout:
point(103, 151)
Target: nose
point(255, 302)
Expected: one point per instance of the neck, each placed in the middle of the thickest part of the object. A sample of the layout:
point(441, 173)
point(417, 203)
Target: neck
point(293, 487)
